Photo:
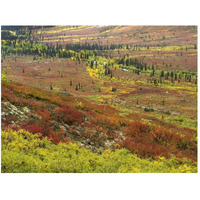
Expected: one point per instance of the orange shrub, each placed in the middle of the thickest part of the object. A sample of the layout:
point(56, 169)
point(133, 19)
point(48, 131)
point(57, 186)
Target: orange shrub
point(148, 141)
point(68, 115)
point(33, 128)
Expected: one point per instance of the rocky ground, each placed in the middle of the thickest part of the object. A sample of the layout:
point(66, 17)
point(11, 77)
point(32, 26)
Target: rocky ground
point(89, 138)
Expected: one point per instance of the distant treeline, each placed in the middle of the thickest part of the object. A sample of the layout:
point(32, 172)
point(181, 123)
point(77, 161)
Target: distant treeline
point(14, 28)
point(99, 47)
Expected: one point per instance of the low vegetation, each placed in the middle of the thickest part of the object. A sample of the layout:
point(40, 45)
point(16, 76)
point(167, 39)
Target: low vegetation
point(99, 99)
point(24, 152)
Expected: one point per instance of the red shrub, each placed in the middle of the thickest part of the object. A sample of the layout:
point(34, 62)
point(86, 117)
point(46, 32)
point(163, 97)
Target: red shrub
point(137, 129)
point(34, 128)
point(68, 115)
point(146, 141)
point(59, 136)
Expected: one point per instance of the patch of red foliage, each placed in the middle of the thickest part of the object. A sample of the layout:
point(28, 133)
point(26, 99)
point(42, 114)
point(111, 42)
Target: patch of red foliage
point(68, 115)
point(44, 127)
point(148, 141)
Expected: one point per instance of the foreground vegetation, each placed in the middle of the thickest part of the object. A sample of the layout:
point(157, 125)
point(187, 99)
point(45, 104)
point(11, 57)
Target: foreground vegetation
point(25, 152)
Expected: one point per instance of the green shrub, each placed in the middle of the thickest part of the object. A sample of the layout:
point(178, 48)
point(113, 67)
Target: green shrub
point(148, 109)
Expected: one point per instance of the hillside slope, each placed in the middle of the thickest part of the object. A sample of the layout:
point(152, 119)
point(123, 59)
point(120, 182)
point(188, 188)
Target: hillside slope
point(104, 89)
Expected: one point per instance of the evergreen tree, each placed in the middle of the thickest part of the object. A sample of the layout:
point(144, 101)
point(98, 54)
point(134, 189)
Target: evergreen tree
point(175, 77)
point(162, 74)
point(145, 67)
point(163, 102)
point(152, 67)
point(172, 74)
point(91, 64)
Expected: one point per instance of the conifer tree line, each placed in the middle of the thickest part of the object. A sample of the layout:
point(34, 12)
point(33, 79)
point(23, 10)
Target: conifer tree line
point(22, 43)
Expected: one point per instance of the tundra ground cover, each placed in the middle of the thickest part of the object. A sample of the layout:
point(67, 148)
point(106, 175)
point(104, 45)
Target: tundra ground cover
point(134, 92)
point(128, 87)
